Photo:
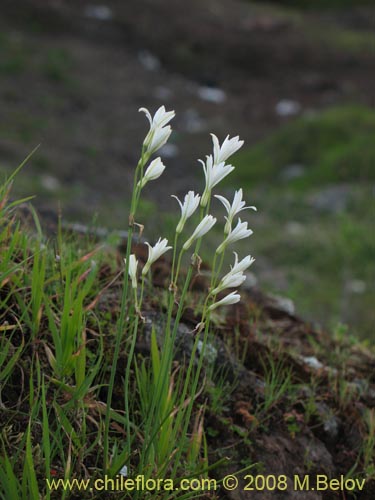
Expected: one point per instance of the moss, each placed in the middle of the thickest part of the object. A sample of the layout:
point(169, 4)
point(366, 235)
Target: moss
point(334, 146)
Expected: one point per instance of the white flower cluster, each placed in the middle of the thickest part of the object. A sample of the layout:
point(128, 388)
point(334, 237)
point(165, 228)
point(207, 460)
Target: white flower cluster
point(215, 169)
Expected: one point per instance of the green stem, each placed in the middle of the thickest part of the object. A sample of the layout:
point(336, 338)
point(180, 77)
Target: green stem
point(216, 275)
point(120, 327)
point(127, 371)
point(119, 335)
point(186, 413)
point(174, 259)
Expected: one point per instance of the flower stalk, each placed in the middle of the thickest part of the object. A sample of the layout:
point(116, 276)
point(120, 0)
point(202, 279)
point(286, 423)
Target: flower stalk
point(215, 170)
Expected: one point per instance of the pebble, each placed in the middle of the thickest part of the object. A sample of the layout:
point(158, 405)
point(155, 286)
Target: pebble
point(287, 107)
point(212, 94)
point(292, 172)
point(50, 183)
point(294, 228)
point(284, 304)
point(210, 352)
point(312, 362)
point(332, 199)
point(356, 286)
point(98, 12)
point(148, 60)
point(169, 151)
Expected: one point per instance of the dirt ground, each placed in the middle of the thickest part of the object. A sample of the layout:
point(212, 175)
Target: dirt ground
point(82, 75)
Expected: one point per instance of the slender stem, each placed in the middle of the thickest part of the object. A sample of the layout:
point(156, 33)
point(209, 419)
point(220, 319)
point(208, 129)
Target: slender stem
point(128, 366)
point(169, 340)
point(213, 272)
point(174, 259)
point(187, 412)
point(144, 159)
point(167, 352)
point(142, 291)
point(182, 251)
point(119, 335)
point(120, 327)
point(215, 275)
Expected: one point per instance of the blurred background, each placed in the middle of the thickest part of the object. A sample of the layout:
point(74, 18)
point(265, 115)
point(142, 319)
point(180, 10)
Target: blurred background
point(295, 79)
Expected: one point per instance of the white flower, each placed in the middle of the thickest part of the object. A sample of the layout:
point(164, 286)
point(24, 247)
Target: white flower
point(158, 138)
point(235, 277)
point(230, 280)
point(240, 267)
point(161, 117)
point(213, 173)
point(153, 171)
point(229, 147)
point(124, 471)
point(203, 227)
point(188, 207)
point(159, 130)
point(133, 264)
point(237, 206)
point(155, 252)
point(231, 298)
point(238, 233)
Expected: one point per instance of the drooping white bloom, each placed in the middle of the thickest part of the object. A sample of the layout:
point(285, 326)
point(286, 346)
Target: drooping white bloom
point(203, 227)
point(160, 118)
point(153, 171)
point(133, 264)
point(154, 252)
point(159, 138)
point(230, 280)
point(159, 130)
point(188, 207)
point(213, 173)
point(233, 209)
point(227, 149)
point(238, 233)
point(231, 298)
point(235, 277)
point(240, 267)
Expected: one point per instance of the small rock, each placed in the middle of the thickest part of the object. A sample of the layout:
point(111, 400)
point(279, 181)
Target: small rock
point(287, 107)
point(284, 304)
point(212, 94)
point(98, 12)
point(312, 362)
point(331, 199)
point(294, 228)
point(210, 351)
point(148, 60)
point(50, 183)
point(292, 172)
point(169, 151)
point(356, 286)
